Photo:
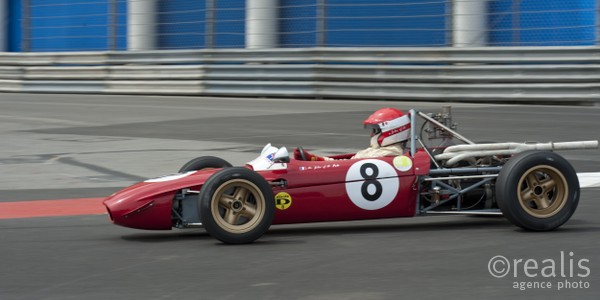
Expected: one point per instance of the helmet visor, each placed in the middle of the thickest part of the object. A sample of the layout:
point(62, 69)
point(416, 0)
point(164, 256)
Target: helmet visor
point(375, 129)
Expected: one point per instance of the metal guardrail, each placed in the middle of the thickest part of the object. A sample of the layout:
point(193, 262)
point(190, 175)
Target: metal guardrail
point(315, 55)
point(456, 74)
point(321, 72)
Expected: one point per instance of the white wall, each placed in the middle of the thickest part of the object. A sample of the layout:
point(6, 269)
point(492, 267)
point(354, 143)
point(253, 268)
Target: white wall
point(141, 24)
point(3, 25)
point(469, 22)
point(261, 24)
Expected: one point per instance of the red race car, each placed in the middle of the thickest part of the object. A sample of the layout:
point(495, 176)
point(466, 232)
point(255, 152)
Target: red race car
point(441, 173)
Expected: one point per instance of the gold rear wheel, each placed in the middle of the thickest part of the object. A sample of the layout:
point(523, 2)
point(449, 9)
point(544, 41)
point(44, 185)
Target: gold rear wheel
point(537, 190)
point(543, 191)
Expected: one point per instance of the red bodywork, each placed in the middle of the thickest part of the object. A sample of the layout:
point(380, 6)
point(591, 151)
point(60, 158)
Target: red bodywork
point(319, 191)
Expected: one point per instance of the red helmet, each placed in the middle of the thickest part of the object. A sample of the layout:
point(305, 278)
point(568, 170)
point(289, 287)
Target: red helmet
point(390, 124)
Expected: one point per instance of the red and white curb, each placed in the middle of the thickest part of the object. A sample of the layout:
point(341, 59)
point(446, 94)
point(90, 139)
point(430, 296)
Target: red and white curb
point(51, 208)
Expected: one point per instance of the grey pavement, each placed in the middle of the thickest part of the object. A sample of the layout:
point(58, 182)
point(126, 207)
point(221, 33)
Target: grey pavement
point(77, 146)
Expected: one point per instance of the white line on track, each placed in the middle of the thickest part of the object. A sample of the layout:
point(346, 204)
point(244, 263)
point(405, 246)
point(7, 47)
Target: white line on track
point(589, 179)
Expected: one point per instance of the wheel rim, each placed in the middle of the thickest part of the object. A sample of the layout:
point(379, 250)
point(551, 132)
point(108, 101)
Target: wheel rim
point(543, 191)
point(238, 206)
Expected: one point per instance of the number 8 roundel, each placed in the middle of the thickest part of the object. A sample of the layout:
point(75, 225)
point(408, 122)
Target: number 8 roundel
point(372, 184)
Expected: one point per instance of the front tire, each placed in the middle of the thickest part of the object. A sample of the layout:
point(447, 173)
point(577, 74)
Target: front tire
point(537, 190)
point(236, 205)
point(204, 162)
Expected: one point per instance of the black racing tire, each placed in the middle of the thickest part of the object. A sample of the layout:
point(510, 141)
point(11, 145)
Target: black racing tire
point(204, 162)
point(236, 205)
point(537, 190)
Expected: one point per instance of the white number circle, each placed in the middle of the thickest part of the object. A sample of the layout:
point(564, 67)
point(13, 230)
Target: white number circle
point(372, 184)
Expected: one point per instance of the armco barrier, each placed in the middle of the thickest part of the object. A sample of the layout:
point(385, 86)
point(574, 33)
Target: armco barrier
point(458, 74)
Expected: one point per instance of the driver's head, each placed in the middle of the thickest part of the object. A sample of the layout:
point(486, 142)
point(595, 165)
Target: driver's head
point(389, 126)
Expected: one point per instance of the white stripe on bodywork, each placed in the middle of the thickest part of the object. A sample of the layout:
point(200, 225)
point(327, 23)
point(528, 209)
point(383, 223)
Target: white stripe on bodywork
point(589, 179)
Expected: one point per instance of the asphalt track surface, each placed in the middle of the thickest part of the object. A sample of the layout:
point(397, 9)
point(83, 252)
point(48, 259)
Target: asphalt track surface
point(82, 146)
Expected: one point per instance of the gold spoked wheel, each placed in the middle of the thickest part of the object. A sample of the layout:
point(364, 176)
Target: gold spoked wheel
point(238, 206)
point(543, 191)
point(537, 190)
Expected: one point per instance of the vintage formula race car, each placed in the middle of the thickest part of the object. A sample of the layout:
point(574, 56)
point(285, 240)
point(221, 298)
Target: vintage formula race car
point(441, 173)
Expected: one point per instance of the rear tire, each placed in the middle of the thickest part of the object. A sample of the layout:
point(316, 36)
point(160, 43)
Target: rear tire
point(204, 162)
point(537, 190)
point(236, 205)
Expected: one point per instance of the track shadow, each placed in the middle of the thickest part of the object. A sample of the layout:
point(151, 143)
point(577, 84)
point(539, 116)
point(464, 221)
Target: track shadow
point(164, 237)
point(360, 227)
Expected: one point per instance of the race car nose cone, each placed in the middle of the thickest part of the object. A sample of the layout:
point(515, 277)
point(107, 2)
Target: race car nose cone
point(109, 214)
point(144, 213)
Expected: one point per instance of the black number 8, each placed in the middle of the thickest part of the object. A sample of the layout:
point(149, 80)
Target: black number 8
point(370, 180)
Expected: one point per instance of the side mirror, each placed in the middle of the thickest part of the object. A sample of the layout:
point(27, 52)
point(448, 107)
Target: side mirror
point(281, 156)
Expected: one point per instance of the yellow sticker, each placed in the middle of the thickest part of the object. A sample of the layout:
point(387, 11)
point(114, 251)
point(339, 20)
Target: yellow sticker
point(283, 200)
point(402, 163)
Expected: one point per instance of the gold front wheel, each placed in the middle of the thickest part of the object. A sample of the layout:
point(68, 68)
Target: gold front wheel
point(236, 205)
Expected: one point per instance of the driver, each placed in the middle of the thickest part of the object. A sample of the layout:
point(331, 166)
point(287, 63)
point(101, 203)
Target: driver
point(390, 129)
